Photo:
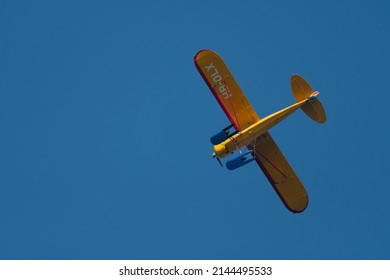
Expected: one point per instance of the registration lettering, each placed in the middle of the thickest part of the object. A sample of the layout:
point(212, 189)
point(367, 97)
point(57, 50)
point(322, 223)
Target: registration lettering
point(217, 79)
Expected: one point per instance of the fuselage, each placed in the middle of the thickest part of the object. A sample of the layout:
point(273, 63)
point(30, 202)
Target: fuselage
point(249, 134)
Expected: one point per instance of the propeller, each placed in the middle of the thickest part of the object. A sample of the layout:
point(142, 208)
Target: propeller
point(215, 156)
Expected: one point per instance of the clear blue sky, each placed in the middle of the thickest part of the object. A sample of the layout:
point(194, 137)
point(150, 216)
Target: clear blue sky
point(105, 126)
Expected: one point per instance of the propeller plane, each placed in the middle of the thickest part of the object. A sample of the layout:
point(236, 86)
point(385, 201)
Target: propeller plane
point(248, 134)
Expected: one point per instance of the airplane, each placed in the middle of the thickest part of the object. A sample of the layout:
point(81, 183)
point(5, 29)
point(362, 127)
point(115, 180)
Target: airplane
point(247, 138)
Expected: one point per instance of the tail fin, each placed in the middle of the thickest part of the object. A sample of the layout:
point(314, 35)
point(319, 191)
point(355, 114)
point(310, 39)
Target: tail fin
point(302, 90)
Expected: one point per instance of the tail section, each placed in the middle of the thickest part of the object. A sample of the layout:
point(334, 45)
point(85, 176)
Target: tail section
point(302, 90)
point(314, 109)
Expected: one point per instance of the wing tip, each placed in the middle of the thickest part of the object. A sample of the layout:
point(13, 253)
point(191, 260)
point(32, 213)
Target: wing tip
point(302, 205)
point(203, 52)
point(200, 52)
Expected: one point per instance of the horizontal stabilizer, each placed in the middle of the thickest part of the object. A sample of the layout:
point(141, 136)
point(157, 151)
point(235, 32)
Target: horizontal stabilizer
point(315, 110)
point(302, 90)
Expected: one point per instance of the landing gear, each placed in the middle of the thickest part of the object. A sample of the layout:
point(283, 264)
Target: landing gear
point(240, 160)
point(222, 135)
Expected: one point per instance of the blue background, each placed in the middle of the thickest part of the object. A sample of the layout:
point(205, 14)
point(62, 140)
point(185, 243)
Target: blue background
point(105, 126)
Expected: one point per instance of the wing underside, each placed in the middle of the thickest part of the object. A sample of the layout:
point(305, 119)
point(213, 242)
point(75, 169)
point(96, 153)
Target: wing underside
point(280, 174)
point(225, 89)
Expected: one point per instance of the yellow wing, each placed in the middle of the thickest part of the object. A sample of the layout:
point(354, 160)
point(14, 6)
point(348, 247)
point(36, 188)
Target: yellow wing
point(280, 174)
point(225, 89)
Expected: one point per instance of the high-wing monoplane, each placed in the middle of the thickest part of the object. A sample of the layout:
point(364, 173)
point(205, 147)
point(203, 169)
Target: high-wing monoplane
point(247, 139)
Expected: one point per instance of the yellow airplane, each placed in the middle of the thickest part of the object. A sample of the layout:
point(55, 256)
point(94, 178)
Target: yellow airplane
point(250, 137)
